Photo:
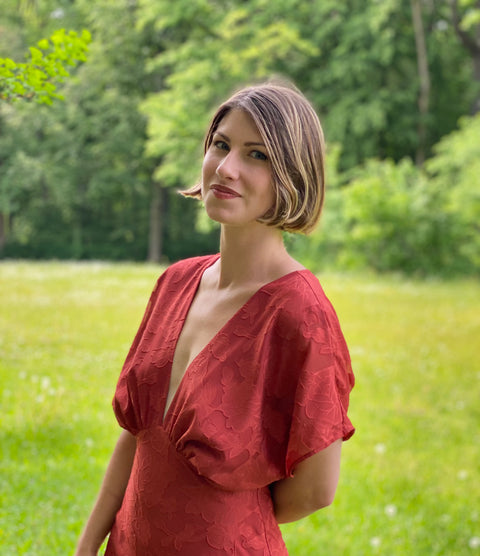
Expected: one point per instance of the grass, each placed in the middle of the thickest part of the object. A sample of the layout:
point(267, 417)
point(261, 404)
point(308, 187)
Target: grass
point(410, 481)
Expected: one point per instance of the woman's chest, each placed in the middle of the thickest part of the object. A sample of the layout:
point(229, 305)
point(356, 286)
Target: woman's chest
point(207, 316)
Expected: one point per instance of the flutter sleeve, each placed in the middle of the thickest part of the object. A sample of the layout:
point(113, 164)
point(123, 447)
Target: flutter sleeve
point(324, 379)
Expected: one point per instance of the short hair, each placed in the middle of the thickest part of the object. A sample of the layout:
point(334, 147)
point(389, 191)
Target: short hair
point(294, 141)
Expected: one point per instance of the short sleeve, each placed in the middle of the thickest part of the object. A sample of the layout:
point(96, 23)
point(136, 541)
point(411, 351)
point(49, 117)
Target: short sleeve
point(324, 382)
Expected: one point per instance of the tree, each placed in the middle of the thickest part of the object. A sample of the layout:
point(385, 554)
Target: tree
point(424, 78)
point(35, 79)
point(208, 52)
point(210, 48)
point(399, 217)
point(102, 168)
point(364, 78)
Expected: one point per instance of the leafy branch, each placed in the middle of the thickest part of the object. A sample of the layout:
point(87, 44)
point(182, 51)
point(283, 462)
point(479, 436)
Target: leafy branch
point(46, 66)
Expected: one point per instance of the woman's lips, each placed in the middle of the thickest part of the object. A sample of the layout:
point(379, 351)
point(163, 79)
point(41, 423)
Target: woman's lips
point(223, 192)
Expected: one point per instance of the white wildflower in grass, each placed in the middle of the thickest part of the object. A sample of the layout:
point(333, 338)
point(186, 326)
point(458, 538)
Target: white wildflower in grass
point(375, 542)
point(474, 542)
point(391, 510)
point(45, 383)
point(380, 448)
point(462, 475)
point(89, 442)
point(22, 375)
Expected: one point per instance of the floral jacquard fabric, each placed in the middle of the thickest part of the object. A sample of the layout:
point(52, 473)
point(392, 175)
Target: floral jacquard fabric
point(269, 390)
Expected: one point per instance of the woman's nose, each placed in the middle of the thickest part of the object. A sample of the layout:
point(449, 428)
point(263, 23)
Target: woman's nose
point(228, 168)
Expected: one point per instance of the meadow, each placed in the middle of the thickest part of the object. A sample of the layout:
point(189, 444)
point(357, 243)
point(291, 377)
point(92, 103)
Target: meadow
point(410, 481)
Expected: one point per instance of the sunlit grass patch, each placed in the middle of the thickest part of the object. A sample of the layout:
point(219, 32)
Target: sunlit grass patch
point(410, 479)
point(64, 332)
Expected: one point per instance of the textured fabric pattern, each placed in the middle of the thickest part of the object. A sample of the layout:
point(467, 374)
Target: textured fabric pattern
point(269, 390)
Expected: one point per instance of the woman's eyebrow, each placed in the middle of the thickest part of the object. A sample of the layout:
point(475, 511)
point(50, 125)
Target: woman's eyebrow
point(247, 144)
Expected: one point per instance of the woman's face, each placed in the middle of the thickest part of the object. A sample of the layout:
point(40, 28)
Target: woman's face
point(236, 175)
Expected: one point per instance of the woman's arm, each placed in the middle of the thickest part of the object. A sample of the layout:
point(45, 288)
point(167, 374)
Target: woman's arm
point(312, 486)
point(110, 497)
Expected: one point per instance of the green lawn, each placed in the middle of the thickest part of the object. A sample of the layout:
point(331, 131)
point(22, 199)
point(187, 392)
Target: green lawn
point(410, 481)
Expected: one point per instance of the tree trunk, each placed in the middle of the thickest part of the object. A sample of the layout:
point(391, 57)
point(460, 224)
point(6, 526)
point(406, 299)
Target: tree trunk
point(476, 67)
point(476, 75)
point(424, 79)
point(156, 225)
point(3, 230)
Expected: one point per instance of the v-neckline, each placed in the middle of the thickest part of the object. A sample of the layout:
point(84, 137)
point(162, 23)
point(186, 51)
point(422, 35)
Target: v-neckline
point(183, 317)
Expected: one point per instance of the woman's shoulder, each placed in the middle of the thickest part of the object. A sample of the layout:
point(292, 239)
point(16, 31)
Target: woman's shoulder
point(301, 306)
point(297, 290)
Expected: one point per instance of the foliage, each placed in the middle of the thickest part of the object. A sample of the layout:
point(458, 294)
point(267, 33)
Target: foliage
point(363, 78)
point(65, 329)
point(394, 220)
point(397, 217)
point(96, 176)
point(46, 66)
point(455, 169)
point(227, 48)
point(355, 60)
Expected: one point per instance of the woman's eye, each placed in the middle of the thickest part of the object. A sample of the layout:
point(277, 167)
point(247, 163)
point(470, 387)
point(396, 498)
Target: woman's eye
point(221, 145)
point(259, 155)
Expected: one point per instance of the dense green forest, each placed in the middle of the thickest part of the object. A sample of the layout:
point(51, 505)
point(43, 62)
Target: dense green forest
point(396, 84)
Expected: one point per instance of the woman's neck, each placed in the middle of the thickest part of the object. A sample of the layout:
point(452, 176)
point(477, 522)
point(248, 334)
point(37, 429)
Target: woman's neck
point(253, 256)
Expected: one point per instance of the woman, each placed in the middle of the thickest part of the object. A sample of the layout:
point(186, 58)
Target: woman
point(234, 393)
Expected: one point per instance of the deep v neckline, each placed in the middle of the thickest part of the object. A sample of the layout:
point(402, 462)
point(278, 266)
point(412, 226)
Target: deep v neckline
point(183, 317)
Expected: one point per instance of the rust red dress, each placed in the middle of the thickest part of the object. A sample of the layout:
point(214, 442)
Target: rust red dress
point(270, 389)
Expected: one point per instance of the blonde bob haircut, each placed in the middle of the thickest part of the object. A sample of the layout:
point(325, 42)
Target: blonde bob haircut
point(294, 142)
